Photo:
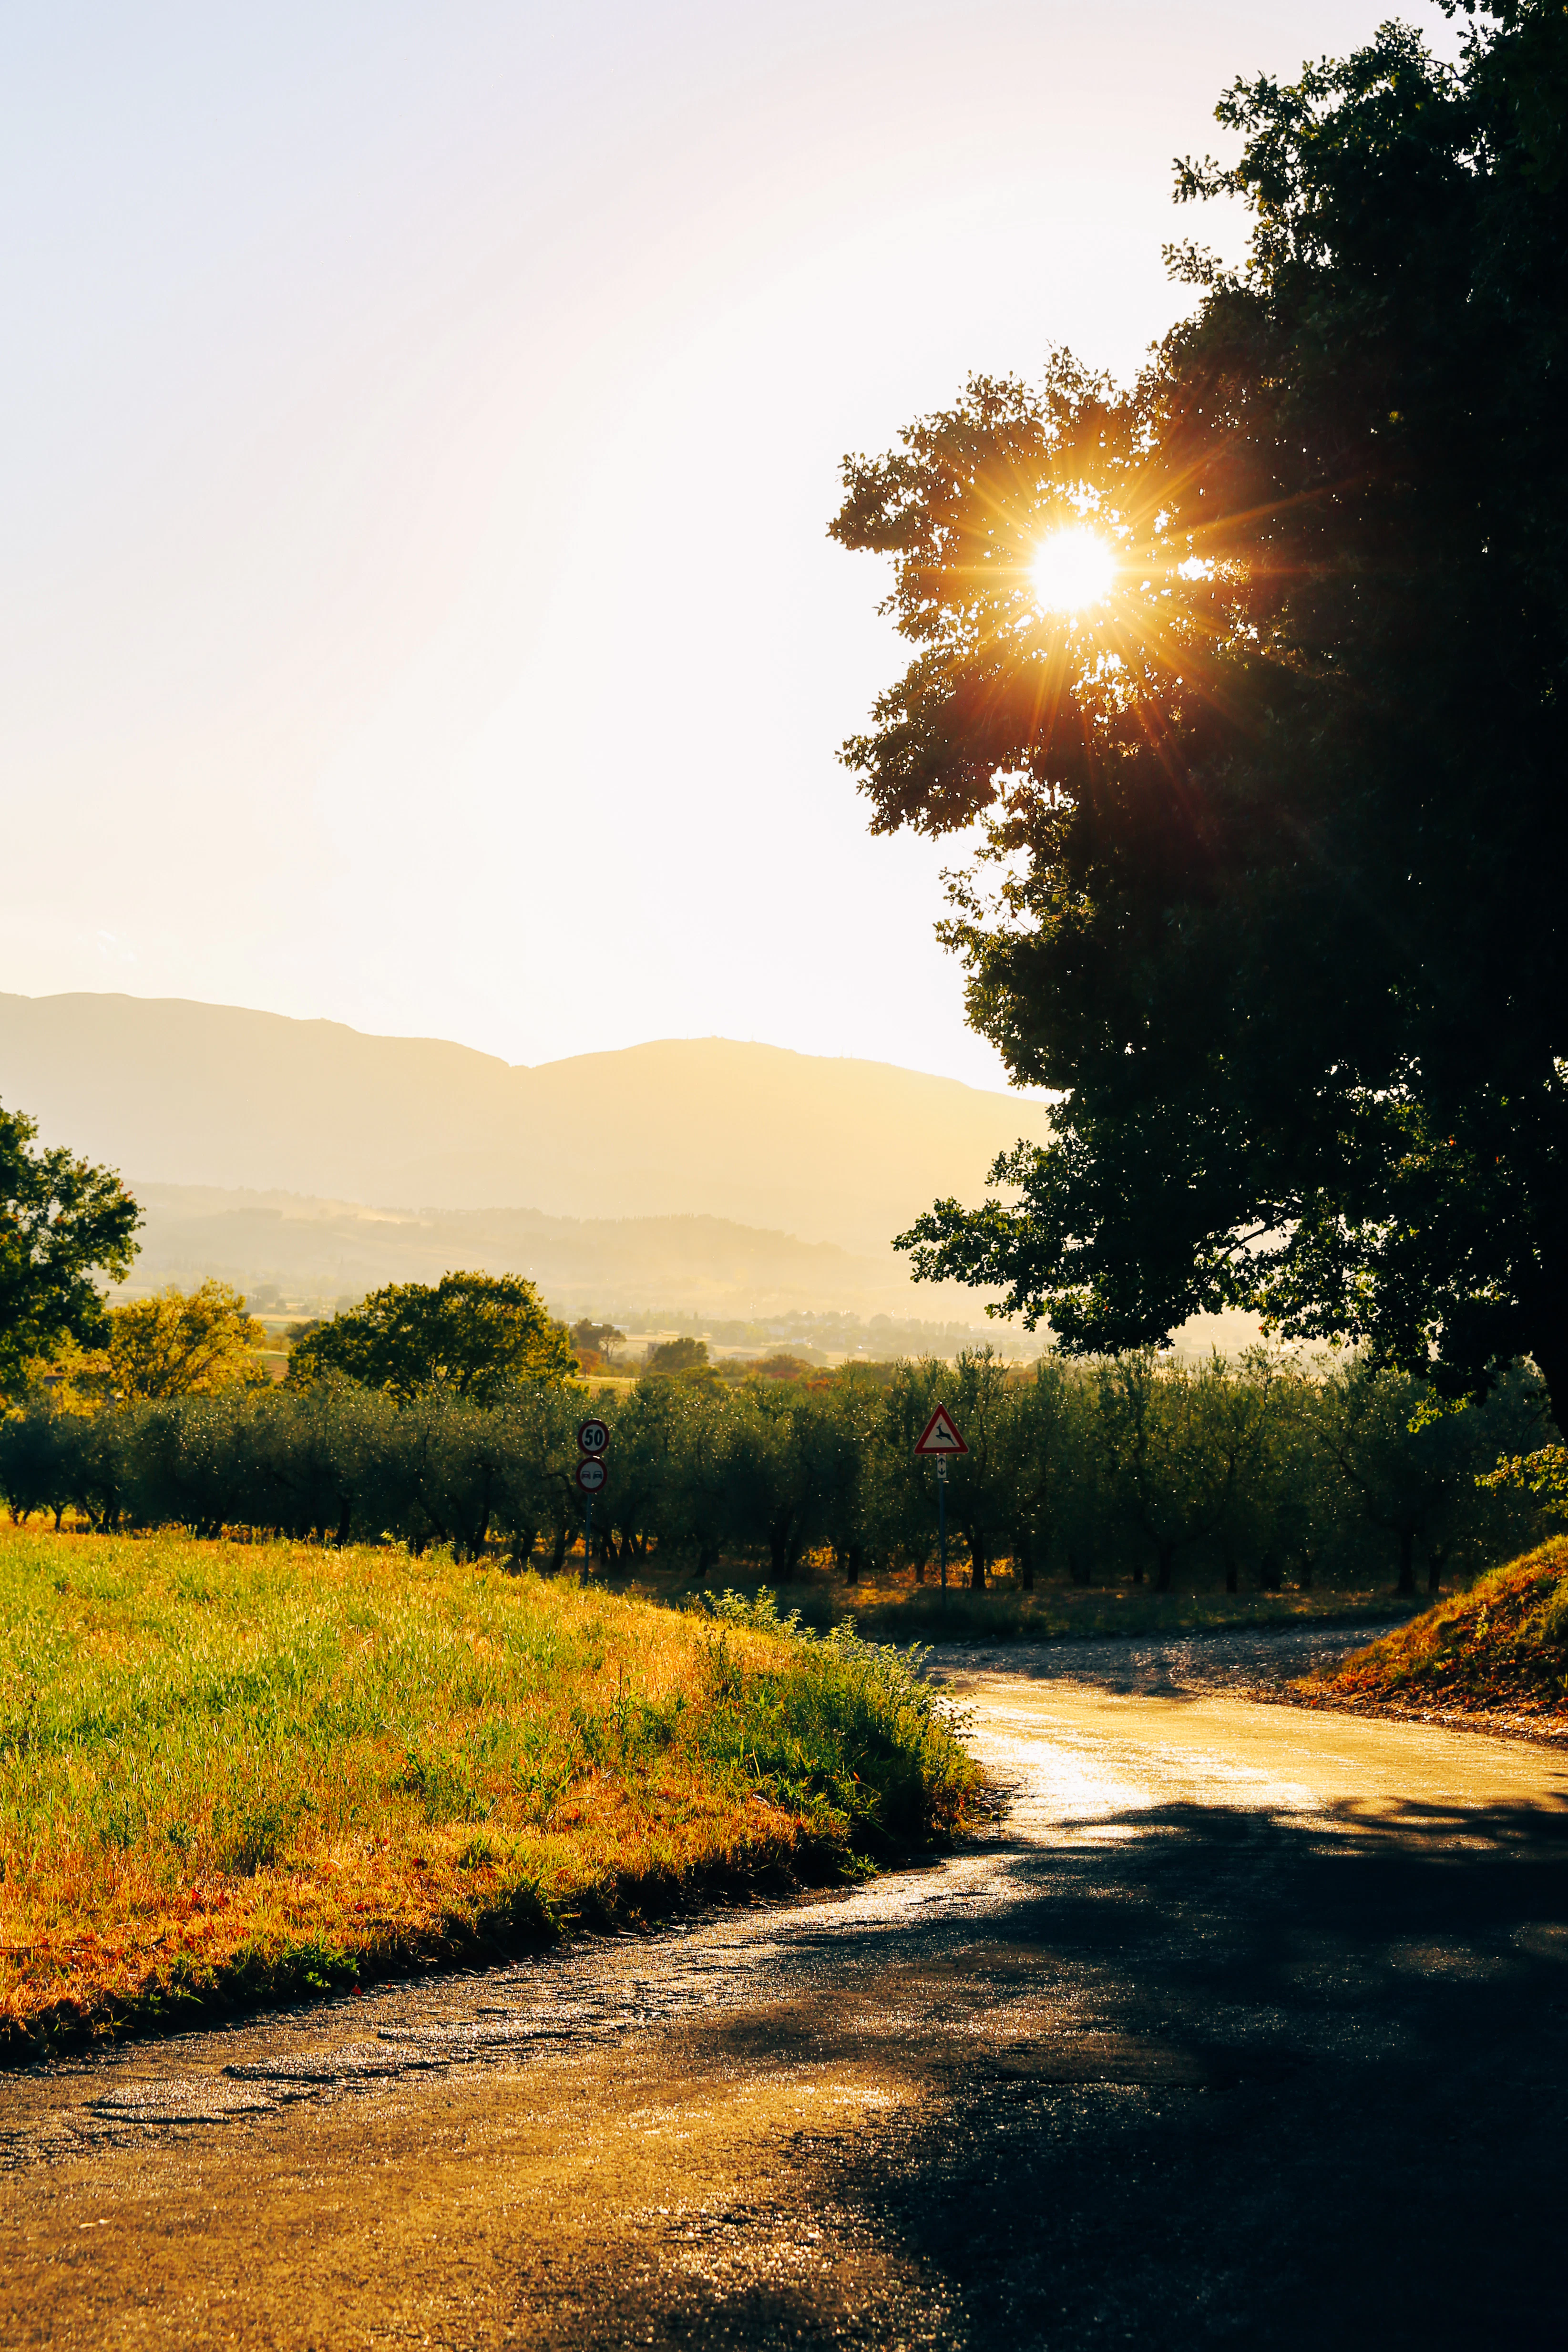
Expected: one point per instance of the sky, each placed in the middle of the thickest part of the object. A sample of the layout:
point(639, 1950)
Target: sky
point(420, 424)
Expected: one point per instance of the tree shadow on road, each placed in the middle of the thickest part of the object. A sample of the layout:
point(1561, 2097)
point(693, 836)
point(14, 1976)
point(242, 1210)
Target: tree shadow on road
point(1209, 2077)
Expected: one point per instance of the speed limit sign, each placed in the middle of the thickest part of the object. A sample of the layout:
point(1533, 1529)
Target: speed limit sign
point(592, 1436)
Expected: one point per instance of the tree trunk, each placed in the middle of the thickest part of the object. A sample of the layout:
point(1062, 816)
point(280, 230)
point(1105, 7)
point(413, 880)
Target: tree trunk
point(1552, 1363)
point(1231, 1580)
point(1026, 1564)
point(1435, 1559)
point(345, 1521)
point(1407, 1559)
point(920, 1569)
point(1167, 1561)
point(852, 1565)
point(976, 1567)
point(1079, 1571)
point(558, 1552)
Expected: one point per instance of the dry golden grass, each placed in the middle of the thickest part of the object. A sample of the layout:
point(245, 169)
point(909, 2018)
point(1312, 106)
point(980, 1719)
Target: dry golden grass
point(1499, 1649)
point(230, 1769)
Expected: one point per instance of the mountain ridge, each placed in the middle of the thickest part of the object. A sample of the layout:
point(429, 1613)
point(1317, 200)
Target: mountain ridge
point(823, 1150)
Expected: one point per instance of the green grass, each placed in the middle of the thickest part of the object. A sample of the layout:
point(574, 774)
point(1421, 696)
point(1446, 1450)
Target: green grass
point(1499, 1648)
point(233, 1770)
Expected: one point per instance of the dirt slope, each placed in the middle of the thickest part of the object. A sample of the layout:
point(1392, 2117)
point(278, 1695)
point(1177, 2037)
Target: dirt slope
point(1498, 1650)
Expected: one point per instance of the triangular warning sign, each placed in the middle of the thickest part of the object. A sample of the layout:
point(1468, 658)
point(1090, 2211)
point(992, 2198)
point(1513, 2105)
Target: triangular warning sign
point(940, 1435)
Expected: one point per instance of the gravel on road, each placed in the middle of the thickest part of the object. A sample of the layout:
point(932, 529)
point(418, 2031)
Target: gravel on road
point(1162, 1664)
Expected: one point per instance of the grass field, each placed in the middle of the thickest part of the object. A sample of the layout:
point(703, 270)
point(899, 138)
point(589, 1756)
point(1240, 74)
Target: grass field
point(230, 1772)
point(1499, 1649)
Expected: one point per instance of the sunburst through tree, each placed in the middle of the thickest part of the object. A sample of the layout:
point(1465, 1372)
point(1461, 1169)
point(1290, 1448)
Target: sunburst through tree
point(1247, 684)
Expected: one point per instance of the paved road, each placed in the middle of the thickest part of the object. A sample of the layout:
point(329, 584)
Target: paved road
point(1168, 1665)
point(1247, 2028)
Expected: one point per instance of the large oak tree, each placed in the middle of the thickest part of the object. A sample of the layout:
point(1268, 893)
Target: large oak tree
point(1272, 841)
point(475, 1336)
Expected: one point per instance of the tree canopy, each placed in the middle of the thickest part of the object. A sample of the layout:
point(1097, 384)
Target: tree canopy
point(1269, 836)
point(62, 1221)
point(592, 1339)
point(183, 1344)
point(683, 1355)
point(473, 1335)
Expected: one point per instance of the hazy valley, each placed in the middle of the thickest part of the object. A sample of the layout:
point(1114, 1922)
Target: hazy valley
point(702, 1178)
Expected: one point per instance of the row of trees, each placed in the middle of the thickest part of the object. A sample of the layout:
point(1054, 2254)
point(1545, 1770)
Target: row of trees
point(1110, 1470)
point(477, 1335)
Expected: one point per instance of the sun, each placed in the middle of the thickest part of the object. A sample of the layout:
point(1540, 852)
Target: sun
point(1073, 568)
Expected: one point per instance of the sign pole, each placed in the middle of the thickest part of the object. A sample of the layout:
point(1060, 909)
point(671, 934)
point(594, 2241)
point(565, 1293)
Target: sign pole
point(592, 1438)
point(939, 1438)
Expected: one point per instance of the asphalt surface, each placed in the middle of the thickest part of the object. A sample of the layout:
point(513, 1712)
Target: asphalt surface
point(1168, 1665)
point(1246, 2027)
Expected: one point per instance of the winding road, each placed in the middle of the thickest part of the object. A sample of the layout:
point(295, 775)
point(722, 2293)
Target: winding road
point(1245, 2026)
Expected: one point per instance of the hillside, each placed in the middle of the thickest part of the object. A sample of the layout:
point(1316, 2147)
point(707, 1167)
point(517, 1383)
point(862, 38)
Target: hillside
point(828, 1151)
point(313, 1253)
point(1497, 1653)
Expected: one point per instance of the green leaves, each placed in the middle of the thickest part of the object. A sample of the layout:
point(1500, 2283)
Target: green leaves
point(474, 1336)
point(1268, 847)
point(62, 1221)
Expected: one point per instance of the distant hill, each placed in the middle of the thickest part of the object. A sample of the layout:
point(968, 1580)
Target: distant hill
point(175, 1092)
point(309, 1255)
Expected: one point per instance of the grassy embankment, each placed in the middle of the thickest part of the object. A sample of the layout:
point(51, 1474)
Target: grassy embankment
point(1497, 1653)
point(230, 1772)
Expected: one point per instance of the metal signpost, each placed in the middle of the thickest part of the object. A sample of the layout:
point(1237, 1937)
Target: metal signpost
point(592, 1438)
point(938, 1440)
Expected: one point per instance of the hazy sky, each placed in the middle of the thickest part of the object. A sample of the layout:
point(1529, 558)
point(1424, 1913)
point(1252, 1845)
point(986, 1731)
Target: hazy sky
point(421, 423)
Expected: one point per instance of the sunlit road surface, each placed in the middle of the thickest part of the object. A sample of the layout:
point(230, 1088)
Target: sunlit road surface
point(1246, 2027)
